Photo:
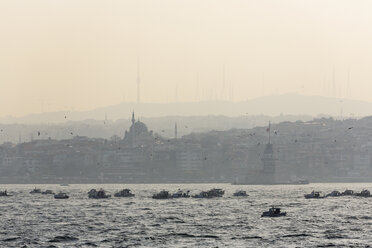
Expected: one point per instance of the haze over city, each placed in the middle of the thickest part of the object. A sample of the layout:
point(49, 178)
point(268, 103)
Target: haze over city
point(185, 123)
point(80, 55)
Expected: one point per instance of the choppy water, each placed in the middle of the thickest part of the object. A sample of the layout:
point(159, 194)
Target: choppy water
point(41, 221)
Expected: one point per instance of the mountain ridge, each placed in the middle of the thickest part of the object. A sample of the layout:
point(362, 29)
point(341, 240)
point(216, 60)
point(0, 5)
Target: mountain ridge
point(286, 104)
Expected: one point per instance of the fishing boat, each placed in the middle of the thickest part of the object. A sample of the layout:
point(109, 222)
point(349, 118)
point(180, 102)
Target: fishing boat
point(124, 193)
point(273, 212)
point(210, 194)
point(348, 192)
point(240, 193)
point(181, 194)
point(364, 193)
point(100, 194)
point(35, 191)
point(162, 195)
point(4, 193)
point(334, 193)
point(47, 192)
point(61, 195)
point(315, 195)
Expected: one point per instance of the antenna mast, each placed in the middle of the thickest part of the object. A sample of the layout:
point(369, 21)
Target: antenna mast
point(138, 81)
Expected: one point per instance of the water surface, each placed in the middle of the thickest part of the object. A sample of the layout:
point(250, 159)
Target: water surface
point(41, 221)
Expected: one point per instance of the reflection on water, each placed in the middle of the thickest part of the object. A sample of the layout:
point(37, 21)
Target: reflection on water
point(41, 221)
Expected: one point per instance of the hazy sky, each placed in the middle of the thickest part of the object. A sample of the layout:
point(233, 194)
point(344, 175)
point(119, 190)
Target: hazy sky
point(74, 54)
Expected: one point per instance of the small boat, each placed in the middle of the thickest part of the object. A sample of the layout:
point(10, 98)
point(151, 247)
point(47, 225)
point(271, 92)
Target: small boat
point(35, 191)
point(301, 181)
point(364, 193)
point(240, 193)
point(273, 212)
point(100, 194)
point(4, 193)
point(334, 193)
point(124, 193)
point(203, 194)
point(47, 192)
point(162, 195)
point(64, 184)
point(210, 194)
point(216, 192)
point(315, 195)
point(348, 192)
point(61, 195)
point(181, 194)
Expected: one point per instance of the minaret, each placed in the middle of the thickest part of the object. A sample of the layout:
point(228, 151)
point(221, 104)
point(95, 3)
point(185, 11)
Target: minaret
point(133, 131)
point(269, 129)
point(138, 82)
point(175, 130)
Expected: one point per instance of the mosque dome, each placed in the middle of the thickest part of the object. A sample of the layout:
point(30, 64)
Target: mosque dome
point(139, 128)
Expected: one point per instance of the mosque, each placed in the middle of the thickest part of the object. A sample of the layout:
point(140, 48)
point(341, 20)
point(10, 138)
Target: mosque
point(138, 134)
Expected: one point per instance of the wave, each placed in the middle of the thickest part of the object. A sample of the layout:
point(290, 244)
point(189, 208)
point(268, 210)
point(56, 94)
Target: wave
point(64, 238)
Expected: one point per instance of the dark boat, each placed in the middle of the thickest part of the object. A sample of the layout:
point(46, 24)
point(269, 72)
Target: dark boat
point(348, 192)
point(181, 194)
point(4, 193)
point(364, 193)
point(100, 194)
point(240, 193)
point(47, 192)
point(35, 191)
point(203, 194)
point(124, 193)
point(334, 194)
point(314, 195)
point(162, 195)
point(273, 212)
point(61, 195)
point(210, 194)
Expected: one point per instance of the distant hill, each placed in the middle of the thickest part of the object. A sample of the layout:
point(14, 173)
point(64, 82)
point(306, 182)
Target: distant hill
point(287, 104)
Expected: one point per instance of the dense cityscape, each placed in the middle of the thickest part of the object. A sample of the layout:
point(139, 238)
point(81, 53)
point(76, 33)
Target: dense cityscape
point(321, 150)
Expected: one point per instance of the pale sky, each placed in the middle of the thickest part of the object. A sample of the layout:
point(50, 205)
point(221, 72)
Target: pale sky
point(79, 55)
